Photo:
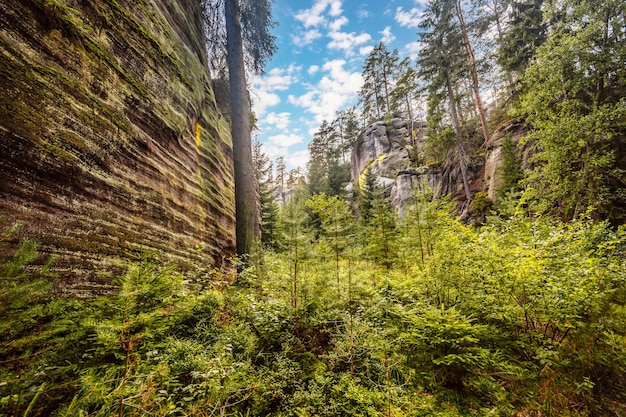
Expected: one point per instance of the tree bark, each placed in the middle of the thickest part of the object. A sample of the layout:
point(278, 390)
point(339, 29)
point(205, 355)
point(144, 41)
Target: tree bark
point(471, 61)
point(248, 217)
point(459, 141)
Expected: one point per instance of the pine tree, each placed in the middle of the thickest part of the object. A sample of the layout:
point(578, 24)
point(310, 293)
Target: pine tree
point(379, 73)
point(263, 171)
point(405, 92)
point(327, 172)
point(525, 32)
point(441, 63)
point(246, 28)
point(369, 190)
point(297, 239)
point(473, 70)
point(281, 170)
point(335, 221)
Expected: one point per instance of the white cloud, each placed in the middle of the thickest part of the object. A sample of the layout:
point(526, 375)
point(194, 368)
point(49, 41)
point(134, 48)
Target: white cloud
point(313, 17)
point(334, 91)
point(280, 79)
point(362, 14)
point(262, 100)
point(285, 140)
point(388, 37)
point(293, 159)
point(306, 38)
point(410, 19)
point(347, 42)
point(413, 49)
point(264, 87)
point(336, 24)
point(297, 159)
point(366, 50)
point(313, 69)
point(335, 8)
point(279, 121)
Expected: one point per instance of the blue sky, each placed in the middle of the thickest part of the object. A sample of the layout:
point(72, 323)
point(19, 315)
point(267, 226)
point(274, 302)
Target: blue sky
point(316, 71)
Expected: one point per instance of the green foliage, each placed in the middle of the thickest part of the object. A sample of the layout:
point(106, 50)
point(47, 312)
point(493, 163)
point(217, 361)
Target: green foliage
point(328, 172)
point(511, 167)
point(25, 308)
point(573, 96)
point(521, 316)
point(527, 31)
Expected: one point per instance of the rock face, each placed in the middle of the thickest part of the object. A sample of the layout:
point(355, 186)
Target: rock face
point(386, 148)
point(408, 181)
point(494, 158)
point(111, 143)
point(382, 147)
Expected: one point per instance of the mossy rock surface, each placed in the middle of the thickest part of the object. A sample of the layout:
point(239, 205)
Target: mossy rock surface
point(110, 137)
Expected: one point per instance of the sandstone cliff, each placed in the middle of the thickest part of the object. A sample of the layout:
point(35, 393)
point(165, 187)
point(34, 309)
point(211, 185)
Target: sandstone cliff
point(110, 138)
point(395, 156)
point(389, 150)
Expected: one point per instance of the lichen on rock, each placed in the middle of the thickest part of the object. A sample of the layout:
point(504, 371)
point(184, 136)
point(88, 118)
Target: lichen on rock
point(111, 142)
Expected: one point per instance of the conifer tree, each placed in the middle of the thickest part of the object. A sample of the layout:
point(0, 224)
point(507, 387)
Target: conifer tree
point(405, 90)
point(335, 224)
point(525, 32)
point(246, 29)
point(441, 63)
point(369, 191)
point(297, 240)
point(379, 73)
point(327, 172)
point(473, 70)
point(263, 171)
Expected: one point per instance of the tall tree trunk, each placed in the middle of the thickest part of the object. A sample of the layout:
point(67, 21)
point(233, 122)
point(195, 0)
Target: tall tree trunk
point(248, 216)
point(459, 140)
point(471, 60)
point(497, 16)
point(385, 83)
point(410, 114)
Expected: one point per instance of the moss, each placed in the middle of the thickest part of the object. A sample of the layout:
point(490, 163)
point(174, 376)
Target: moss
point(79, 91)
point(59, 152)
point(161, 56)
point(62, 17)
point(100, 53)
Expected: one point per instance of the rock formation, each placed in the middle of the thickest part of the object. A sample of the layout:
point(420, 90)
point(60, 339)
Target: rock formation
point(494, 157)
point(381, 148)
point(111, 143)
point(386, 148)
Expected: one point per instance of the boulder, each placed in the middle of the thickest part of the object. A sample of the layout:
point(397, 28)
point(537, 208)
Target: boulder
point(410, 181)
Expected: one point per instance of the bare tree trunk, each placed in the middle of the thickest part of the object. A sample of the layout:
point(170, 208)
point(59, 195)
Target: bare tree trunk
point(471, 60)
point(459, 141)
point(385, 83)
point(248, 216)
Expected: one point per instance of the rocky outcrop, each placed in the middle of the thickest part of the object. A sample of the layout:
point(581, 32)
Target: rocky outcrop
point(383, 148)
point(494, 157)
point(389, 149)
point(409, 181)
point(110, 138)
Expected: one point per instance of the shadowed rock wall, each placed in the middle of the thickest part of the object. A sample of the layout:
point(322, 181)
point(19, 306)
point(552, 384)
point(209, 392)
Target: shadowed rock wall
point(110, 138)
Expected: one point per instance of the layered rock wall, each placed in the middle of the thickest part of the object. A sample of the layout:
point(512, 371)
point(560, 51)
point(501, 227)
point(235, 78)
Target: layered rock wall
point(385, 148)
point(111, 143)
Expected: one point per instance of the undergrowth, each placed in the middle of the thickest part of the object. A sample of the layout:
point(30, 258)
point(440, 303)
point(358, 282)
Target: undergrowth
point(521, 317)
